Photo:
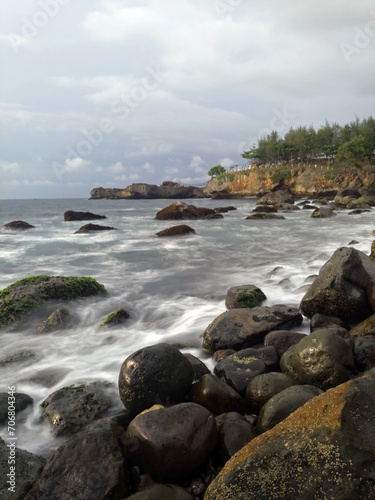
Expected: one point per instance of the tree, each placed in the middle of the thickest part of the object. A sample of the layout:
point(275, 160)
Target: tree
point(216, 171)
point(353, 152)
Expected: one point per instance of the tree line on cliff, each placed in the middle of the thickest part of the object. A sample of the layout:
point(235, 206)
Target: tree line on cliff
point(353, 144)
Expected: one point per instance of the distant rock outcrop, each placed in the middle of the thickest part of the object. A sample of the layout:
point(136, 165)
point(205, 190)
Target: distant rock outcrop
point(70, 215)
point(168, 189)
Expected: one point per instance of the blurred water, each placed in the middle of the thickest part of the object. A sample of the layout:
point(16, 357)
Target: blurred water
point(173, 288)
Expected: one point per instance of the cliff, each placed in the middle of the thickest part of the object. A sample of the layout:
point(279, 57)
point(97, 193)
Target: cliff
point(167, 189)
point(303, 180)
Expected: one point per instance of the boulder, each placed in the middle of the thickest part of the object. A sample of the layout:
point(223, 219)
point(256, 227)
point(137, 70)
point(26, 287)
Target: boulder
point(176, 231)
point(282, 404)
point(72, 408)
point(22, 401)
point(241, 328)
point(27, 469)
point(265, 208)
point(323, 213)
point(340, 288)
point(213, 216)
point(244, 296)
point(115, 318)
point(217, 396)
point(180, 210)
point(263, 387)
point(279, 196)
point(88, 466)
point(18, 225)
point(324, 321)
point(281, 340)
point(158, 491)
point(199, 367)
point(322, 450)
point(324, 358)
point(71, 215)
point(364, 352)
point(233, 432)
point(24, 356)
point(262, 215)
point(171, 443)
point(223, 210)
point(93, 228)
point(25, 296)
point(58, 320)
point(343, 196)
point(240, 368)
point(155, 374)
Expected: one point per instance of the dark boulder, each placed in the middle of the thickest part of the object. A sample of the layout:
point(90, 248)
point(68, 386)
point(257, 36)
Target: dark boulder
point(93, 228)
point(221, 210)
point(22, 401)
point(180, 211)
point(282, 404)
point(26, 469)
point(158, 491)
point(199, 367)
point(340, 288)
point(344, 196)
point(364, 352)
point(240, 368)
point(324, 321)
point(324, 358)
point(27, 295)
point(171, 443)
point(275, 197)
point(155, 374)
point(176, 231)
point(265, 208)
point(58, 320)
point(263, 387)
point(281, 340)
point(241, 328)
point(71, 215)
point(322, 450)
point(71, 409)
point(262, 215)
point(88, 466)
point(244, 296)
point(217, 396)
point(115, 318)
point(233, 432)
point(213, 216)
point(323, 213)
point(18, 225)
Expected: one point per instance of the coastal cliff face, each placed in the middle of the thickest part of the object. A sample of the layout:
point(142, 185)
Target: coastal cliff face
point(302, 181)
point(136, 191)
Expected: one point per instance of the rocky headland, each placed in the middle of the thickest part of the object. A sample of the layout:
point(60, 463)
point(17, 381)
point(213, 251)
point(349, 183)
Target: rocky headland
point(172, 190)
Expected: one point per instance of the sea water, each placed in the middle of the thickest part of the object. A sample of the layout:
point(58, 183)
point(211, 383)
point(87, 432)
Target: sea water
point(172, 287)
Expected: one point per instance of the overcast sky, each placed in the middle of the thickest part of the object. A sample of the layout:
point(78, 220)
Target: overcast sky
point(111, 92)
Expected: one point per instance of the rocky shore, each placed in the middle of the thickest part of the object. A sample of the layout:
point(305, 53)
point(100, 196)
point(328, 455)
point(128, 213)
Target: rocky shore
point(139, 191)
point(282, 415)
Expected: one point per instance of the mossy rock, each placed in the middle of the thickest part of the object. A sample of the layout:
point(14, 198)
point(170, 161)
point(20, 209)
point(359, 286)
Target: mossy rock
point(115, 318)
point(23, 297)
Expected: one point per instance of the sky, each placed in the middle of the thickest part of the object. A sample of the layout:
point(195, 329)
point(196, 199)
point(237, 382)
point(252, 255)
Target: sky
point(113, 92)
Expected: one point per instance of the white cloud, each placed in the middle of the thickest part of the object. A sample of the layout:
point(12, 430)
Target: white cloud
point(197, 164)
point(148, 167)
point(9, 167)
point(76, 165)
point(117, 168)
point(226, 162)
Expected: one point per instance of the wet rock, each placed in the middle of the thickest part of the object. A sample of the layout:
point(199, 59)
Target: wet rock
point(279, 196)
point(322, 450)
point(370, 292)
point(244, 296)
point(27, 468)
point(364, 352)
point(171, 443)
point(241, 328)
point(71, 215)
point(281, 340)
point(234, 431)
point(358, 211)
point(324, 358)
point(25, 296)
point(323, 213)
point(93, 228)
point(309, 207)
point(18, 225)
point(217, 396)
point(284, 403)
point(286, 283)
point(58, 320)
point(365, 328)
point(115, 318)
point(199, 367)
point(88, 466)
point(180, 210)
point(24, 356)
point(213, 216)
point(155, 374)
point(345, 195)
point(240, 368)
point(340, 288)
point(160, 491)
point(22, 401)
point(265, 208)
point(176, 231)
point(264, 387)
point(286, 207)
point(72, 408)
point(222, 210)
point(221, 354)
point(262, 215)
point(324, 321)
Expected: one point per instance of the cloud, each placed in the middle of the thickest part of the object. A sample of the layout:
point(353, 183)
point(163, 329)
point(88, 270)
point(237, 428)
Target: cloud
point(117, 168)
point(76, 165)
point(9, 167)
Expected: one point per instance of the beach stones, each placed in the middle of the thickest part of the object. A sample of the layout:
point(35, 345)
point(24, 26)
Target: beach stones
point(158, 374)
point(171, 443)
point(217, 396)
point(264, 387)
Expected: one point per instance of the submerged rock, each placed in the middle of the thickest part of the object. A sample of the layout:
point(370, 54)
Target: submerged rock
point(71, 215)
point(262, 215)
point(322, 450)
point(23, 297)
point(22, 401)
point(115, 318)
point(18, 225)
point(58, 320)
point(180, 210)
point(323, 213)
point(176, 231)
point(92, 228)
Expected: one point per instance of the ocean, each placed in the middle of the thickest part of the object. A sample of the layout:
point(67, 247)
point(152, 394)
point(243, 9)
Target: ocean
point(172, 287)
